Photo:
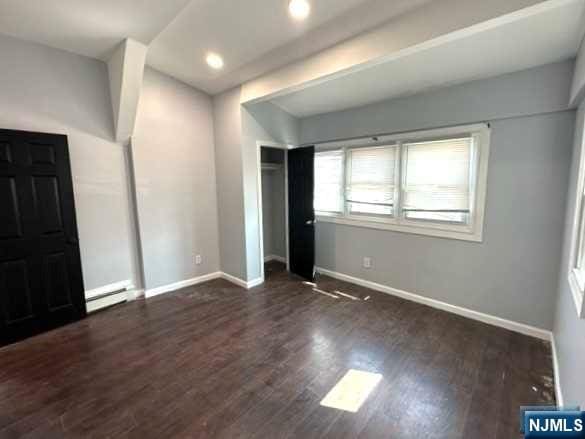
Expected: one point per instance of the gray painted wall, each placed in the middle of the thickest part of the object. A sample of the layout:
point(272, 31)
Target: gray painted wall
point(174, 166)
point(267, 185)
point(49, 90)
point(569, 330)
point(227, 120)
point(539, 90)
point(578, 87)
point(273, 213)
point(278, 214)
point(513, 274)
point(259, 125)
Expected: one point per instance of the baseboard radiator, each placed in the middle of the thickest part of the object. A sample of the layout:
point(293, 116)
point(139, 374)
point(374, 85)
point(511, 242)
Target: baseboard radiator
point(107, 296)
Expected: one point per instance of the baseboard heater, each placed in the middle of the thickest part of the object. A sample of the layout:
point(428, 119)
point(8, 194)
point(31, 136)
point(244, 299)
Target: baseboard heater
point(107, 296)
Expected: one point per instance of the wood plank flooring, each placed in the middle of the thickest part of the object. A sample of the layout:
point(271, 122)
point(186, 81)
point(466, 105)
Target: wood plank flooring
point(215, 361)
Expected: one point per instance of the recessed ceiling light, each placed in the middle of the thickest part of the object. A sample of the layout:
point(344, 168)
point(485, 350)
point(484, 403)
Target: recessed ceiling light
point(299, 9)
point(214, 61)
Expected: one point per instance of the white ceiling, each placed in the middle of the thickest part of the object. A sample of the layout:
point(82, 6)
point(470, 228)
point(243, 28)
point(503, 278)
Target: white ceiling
point(256, 36)
point(548, 36)
point(88, 27)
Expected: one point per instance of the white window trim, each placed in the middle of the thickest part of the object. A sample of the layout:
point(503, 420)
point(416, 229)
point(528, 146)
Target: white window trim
point(468, 232)
point(576, 281)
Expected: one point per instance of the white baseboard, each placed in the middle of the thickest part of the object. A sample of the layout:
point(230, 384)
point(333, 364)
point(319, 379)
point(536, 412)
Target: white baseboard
point(181, 284)
point(254, 283)
point(197, 280)
point(242, 283)
point(134, 294)
point(274, 258)
point(117, 286)
point(235, 280)
point(465, 312)
point(558, 389)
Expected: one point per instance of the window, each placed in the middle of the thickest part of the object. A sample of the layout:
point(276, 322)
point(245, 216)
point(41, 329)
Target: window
point(430, 183)
point(437, 180)
point(577, 255)
point(329, 182)
point(371, 180)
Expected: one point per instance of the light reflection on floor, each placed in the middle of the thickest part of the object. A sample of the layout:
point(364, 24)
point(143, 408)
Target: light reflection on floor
point(352, 390)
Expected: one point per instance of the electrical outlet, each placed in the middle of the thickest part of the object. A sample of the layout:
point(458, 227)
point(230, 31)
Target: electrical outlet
point(367, 262)
point(198, 259)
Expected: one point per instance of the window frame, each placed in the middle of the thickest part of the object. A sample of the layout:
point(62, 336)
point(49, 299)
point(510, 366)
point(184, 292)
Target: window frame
point(472, 231)
point(576, 269)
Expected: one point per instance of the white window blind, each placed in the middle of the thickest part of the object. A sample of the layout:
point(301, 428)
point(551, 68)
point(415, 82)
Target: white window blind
point(437, 180)
point(371, 180)
point(329, 181)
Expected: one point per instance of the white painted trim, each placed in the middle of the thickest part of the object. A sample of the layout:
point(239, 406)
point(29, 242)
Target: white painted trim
point(182, 284)
point(235, 280)
point(286, 221)
point(465, 312)
point(274, 258)
point(106, 301)
point(254, 283)
point(116, 286)
point(557, 372)
point(271, 144)
point(242, 283)
point(134, 294)
point(259, 196)
point(577, 290)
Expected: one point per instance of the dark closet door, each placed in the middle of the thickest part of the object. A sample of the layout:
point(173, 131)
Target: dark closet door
point(301, 176)
point(41, 286)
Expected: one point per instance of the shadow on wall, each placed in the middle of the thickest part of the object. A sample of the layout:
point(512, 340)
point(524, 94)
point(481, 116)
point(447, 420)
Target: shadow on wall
point(280, 125)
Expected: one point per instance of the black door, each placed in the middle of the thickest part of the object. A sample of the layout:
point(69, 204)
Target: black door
point(301, 176)
point(41, 286)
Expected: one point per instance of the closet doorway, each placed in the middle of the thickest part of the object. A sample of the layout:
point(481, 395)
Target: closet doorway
point(274, 202)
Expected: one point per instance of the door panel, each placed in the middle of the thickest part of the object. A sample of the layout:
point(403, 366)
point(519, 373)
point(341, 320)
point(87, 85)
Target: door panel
point(301, 174)
point(42, 154)
point(15, 282)
point(40, 267)
point(57, 285)
point(10, 224)
point(48, 204)
point(5, 155)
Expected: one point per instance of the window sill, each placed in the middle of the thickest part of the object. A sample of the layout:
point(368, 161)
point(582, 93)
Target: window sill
point(447, 231)
point(577, 293)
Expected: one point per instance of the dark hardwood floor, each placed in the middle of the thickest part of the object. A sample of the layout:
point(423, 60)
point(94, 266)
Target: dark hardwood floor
point(217, 361)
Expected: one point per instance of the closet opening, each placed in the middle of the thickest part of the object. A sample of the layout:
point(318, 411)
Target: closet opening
point(274, 198)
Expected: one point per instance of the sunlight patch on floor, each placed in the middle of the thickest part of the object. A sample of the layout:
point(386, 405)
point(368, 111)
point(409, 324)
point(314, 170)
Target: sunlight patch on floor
point(352, 390)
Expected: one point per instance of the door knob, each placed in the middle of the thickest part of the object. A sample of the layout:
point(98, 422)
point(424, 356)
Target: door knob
point(310, 222)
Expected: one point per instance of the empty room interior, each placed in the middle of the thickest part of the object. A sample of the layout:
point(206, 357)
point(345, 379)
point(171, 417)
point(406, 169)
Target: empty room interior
point(292, 218)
